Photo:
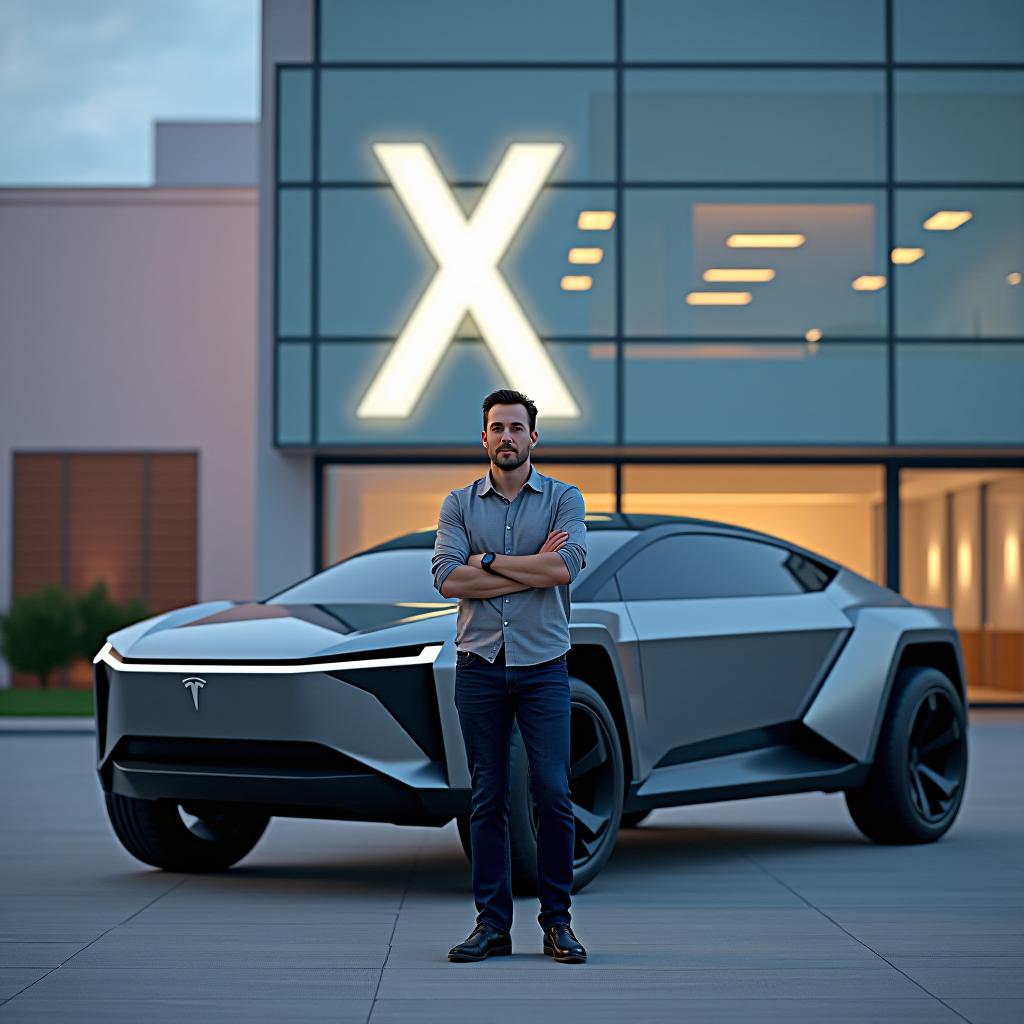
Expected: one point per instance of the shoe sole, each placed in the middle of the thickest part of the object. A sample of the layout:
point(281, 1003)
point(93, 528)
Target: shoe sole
point(462, 958)
point(571, 958)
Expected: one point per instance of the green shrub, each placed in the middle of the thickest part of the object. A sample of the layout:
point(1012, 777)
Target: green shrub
point(48, 629)
point(38, 632)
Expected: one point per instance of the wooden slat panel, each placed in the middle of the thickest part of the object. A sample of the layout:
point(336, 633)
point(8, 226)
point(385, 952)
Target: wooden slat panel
point(173, 530)
point(106, 516)
point(38, 510)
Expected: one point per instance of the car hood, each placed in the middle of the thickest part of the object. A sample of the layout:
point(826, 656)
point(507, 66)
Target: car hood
point(255, 632)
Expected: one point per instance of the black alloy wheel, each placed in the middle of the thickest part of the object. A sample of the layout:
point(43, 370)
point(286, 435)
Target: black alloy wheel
point(916, 784)
point(937, 761)
point(188, 838)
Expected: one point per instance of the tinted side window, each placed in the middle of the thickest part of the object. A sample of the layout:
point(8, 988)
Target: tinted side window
point(695, 566)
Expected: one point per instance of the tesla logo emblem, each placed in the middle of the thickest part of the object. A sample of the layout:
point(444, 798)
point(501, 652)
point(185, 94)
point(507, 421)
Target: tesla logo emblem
point(195, 684)
point(467, 278)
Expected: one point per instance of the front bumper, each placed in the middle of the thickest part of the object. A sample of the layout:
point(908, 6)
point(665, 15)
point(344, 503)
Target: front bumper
point(371, 743)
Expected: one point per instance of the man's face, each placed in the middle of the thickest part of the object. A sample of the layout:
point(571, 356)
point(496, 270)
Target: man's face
point(508, 437)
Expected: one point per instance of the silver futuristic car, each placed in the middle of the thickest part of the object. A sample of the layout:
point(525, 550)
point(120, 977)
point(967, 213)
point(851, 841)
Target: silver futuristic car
point(708, 662)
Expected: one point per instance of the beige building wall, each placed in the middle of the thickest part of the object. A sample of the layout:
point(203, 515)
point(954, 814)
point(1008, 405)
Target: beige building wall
point(128, 323)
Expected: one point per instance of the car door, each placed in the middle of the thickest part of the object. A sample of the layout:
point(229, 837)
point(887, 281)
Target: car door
point(734, 636)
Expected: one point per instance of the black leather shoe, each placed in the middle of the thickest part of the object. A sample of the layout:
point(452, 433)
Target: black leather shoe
point(560, 943)
point(484, 940)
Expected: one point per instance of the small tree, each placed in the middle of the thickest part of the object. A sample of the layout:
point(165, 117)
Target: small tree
point(97, 615)
point(38, 632)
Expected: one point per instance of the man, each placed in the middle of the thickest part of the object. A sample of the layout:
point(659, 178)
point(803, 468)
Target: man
point(508, 546)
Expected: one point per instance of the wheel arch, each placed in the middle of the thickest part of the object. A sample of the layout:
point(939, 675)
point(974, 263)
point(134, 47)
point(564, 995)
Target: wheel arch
point(918, 649)
point(592, 663)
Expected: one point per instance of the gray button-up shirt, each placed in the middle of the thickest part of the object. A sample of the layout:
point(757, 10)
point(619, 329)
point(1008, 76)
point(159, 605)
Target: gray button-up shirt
point(533, 624)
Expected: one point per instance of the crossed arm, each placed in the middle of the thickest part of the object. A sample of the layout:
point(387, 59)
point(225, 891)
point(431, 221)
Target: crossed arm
point(547, 568)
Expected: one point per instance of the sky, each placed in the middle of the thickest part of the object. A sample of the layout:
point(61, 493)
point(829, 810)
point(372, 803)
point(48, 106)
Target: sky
point(82, 81)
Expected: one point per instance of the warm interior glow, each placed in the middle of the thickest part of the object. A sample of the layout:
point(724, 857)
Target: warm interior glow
point(868, 282)
point(595, 220)
point(718, 298)
point(577, 283)
point(581, 255)
point(467, 251)
point(906, 255)
point(934, 566)
point(750, 241)
point(1011, 560)
point(963, 564)
point(1013, 277)
point(739, 274)
point(814, 334)
point(947, 220)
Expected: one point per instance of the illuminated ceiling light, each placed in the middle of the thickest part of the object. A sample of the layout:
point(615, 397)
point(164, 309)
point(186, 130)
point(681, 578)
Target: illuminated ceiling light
point(765, 241)
point(906, 255)
point(813, 335)
point(467, 279)
point(739, 274)
point(586, 255)
point(595, 220)
point(947, 220)
point(1013, 277)
point(577, 283)
point(868, 282)
point(718, 298)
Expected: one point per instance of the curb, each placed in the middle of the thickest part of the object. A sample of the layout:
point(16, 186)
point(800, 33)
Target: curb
point(47, 725)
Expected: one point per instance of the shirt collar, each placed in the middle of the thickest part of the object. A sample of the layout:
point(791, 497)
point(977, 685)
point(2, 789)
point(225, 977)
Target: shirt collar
point(535, 481)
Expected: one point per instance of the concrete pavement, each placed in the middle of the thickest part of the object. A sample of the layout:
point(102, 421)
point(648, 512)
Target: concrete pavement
point(774, 910)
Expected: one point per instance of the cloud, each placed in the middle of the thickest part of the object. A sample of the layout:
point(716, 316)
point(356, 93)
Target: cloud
point(81, 82)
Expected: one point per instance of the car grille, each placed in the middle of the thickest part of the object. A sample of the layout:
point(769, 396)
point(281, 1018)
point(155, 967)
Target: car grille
point(234, 757)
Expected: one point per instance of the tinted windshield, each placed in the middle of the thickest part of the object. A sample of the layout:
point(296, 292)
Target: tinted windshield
point(403, 575)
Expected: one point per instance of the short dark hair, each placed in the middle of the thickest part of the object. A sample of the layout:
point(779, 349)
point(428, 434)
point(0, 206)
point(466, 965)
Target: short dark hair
point(506, 396)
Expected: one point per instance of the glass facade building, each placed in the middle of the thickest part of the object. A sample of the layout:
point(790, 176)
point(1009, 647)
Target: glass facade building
point(777, 265)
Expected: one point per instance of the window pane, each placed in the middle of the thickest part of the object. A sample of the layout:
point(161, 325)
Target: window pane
point(837, 511)
point(785, 393)
point(752, 30)
point(703, 567)
point(293, 261)
point(960, 393)
point(966, 282)
point(360, 509)
point(448, 411)
point(934, 30)
point(293, 377)
point(754, 125)
point(295, 128)
point(961, 539)
point(480, 30)
point(959, 125)
point(371, 288)
point(468, 118)
point(675, 237)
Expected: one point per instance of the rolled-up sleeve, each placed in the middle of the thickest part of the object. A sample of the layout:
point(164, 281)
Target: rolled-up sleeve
point(451, 548)
point(569, 517)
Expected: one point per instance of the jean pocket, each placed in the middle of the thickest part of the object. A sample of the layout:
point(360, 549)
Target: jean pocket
point(463, 658)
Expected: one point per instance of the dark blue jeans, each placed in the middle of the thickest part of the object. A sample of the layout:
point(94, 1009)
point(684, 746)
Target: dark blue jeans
point(537, 696)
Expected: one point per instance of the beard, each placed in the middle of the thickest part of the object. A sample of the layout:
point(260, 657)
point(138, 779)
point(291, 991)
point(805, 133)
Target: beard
point(508, 458)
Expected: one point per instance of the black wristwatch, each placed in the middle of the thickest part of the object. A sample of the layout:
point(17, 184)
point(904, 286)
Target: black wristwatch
point(486, 562)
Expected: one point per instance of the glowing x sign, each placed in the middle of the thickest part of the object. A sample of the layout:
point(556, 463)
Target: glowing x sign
point(467, 279)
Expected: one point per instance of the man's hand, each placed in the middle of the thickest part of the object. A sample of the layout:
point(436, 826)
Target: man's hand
point(556, 540)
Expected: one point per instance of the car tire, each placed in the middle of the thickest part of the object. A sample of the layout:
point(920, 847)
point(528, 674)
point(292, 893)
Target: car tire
point(633, 818)
point(597, 794)
point(154, 832)
point(916, 783)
